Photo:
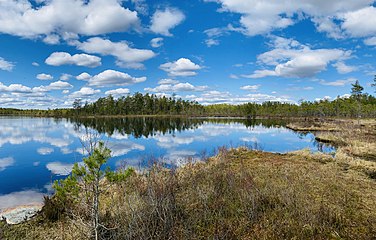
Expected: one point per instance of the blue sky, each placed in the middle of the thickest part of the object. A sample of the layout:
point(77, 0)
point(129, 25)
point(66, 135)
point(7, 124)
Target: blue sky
point(212, 51)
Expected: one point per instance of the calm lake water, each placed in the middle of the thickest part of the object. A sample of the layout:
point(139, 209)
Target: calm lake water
point(36, 151)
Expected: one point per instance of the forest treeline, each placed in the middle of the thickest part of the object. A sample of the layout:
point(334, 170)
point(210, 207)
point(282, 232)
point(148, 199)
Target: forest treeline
point(358, 104)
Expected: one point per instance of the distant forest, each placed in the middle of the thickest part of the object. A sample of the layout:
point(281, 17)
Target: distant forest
point(359, 104)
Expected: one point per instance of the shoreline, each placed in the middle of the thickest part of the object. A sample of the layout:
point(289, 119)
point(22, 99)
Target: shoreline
point(19, 214)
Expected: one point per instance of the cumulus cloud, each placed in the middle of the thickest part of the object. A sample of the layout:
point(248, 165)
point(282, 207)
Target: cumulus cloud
point(178, 87)
point(45, 151)
point(342, 68)
point(360, 23)
point(167, 81)
point(64, 58)
point(52, 39)
point(300, 88)
point(125, 55)
point(163, 21)
point(118, 92)
point(122, 148)
point(54, 18)
point(84, 92)
point(65, 77)
point(58, 85)
point(15, 88)
point(5, 65)
point(338, 83)
point(333, 17)
point(250, 87)
point(83, 76)
point(44, 76)
point(156, 42)
point(60, 169)
point(6, 162)
point(218, 97)
point(292, 59)
point(181, 67)
point(326, 98)
point(111, 78)
point(370, 41)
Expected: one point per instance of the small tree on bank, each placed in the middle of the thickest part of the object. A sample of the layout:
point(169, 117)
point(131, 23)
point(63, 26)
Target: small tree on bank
point(356, 92)
point(84, 182)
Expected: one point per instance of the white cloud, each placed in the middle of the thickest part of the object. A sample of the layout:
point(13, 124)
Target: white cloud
point(213, 35)
point(52, 39)
point(260, 74)
point(262, 17)
point(300, 88)
point(343, 68)
point(126, 56)
point(217, 97)
point(211, 42)
point(15, 88)
point(45, 151)
point(64, 58)
point(141, 6)
point(113, 78)
point(370, 41)
point(5, 65)
point(338, 83)
point(118, 92)
point(6, 162)
point(15, 199)
point(84, 92)
point(182, 67)
point(59, 85)
point(83, 76)
point(360, 23)
point(178, 87)
point(327, 25)
point(346, 95)
point(156, 42)
point(60, 169)
point(167, 81)
point(249, 139)
point(251, 87)
point(292, 59)
point(43, 76)
point(216, 32)
point(65, 18)
point(122, 148)
point(163, 21)
point(326, 98)
point(35, 64)
point(65, 77)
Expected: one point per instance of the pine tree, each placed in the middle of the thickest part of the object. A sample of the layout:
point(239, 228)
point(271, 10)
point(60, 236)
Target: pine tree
point(356, 92)
point(374, 83)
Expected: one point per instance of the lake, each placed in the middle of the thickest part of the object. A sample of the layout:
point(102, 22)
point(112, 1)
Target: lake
point(36, 151)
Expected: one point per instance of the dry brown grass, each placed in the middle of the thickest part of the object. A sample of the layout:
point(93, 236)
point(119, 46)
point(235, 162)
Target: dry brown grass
point(239, 194)
point(355, 142)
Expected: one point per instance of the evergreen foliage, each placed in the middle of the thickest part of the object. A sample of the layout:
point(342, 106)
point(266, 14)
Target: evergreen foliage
point(358, 104)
